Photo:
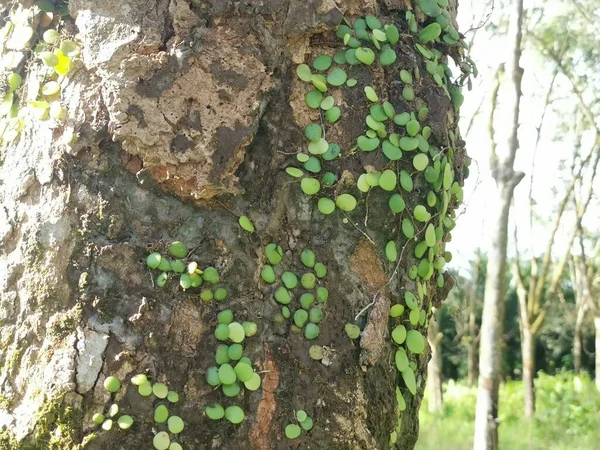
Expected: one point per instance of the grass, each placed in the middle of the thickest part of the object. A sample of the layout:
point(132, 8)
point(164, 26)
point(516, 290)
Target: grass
point(566, 416)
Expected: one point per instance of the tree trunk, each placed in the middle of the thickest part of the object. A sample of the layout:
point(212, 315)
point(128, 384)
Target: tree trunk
point(471, 363)
point(434, 368)
point(597, 350)
point(577, 337)
point(501, 163)
point(490, 370)
point(472, 345)
point(528, 357)
point(180, 118)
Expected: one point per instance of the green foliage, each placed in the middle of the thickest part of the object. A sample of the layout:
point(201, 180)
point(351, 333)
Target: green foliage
point(566, 416)
point(19, 41)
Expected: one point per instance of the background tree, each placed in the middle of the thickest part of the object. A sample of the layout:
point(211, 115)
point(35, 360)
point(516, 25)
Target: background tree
point(506, 178)
point(544, 283)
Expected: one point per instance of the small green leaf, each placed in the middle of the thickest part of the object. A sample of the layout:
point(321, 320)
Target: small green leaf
point(304, 72)
point(246, 224)
point(322, 62)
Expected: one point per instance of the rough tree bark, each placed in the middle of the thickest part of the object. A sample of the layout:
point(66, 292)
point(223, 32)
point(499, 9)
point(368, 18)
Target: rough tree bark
point(187, 113)
point(506, 178)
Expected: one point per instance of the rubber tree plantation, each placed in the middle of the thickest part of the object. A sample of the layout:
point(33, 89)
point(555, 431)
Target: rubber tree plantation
point(223, 224)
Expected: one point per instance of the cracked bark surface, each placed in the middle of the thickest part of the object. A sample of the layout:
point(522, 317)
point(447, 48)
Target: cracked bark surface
point(187, 113)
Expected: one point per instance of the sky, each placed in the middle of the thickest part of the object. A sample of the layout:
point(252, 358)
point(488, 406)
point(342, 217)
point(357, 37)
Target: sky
point(549, 184)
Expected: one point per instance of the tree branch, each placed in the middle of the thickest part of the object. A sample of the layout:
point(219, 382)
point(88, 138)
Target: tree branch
point(494, 160)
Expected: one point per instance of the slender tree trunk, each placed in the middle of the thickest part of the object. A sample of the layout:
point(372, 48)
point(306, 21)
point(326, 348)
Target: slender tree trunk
point(434, 367)
point(471, 363)
point(472, 344)
point(577, 338)
point(528, 358)
point(181, 117)
point(490, 370)
point(597, 351)
point(501, 164)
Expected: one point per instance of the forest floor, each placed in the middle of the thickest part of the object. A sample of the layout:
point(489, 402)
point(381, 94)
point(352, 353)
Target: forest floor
point(566, 416)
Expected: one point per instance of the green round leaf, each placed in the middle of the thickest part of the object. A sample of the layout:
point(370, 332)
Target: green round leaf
point(337, 77)
point(300, 318)
point(227, 374)
point(322, 62)
point(161, 440)
point(282, 295)
point(392, 34)
point(387, 56)
point(409, 379)
point(408, 228)
point(333, 114)
point(274, 253)
point(268, 274)
point(307, 424)
point(304, 72)
point(289, 279)
point(215, 412)
point(371, 94)
point(292, 431)
point(346, 202)
point(313, 99)
point(327, 103)
point(318, 147)
point(178, 249)
point(153, 260)
point(313, 132)
point(365, 55)
point(234, 414)
point(391, 252)
point(372, 22)
point(161, 414)
point(160, 390)
point(50, 88)
point(311, 331)
point(51, 36)
point(397, 203)
point(112, 384)
point(244, 371)
point(367, 144)
point(308, 258)
point(313, 165)
point(353, 331)
point(401, 360)
point(254, 383)
point(399, 333)
point(294, 172)
point(326, 206)
point(310, 186)
point(421, 214)
point(415, 341)
point(388, 180)
point(246, 224)
point(396, 311)
point(236, 333)
point(145, 389)
point(420, 162)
